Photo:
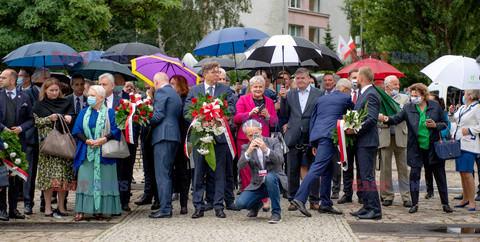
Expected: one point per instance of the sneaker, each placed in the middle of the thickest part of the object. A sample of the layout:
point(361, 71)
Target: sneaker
point(275, 218)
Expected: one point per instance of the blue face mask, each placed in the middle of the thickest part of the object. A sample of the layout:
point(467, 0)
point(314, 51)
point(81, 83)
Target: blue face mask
point(20, 81)
point(279, 86)
point(117, 89)
point(92, 101)
point(416, 100)
point(464, 101)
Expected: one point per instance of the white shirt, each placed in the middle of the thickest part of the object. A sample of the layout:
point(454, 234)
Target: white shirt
point(353, 93)
point(14, 91)
point(206, 88)
point(109, 100)
point(364, 89)
point(75, 100)
point(303, 97)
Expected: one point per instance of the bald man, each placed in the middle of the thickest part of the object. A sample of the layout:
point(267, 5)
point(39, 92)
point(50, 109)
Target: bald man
point(167, 110)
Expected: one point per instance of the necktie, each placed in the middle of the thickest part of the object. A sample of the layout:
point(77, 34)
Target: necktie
point(106, 103)
point(77, 106)
point(10, 95)
point(210, 90)
point(355, 97)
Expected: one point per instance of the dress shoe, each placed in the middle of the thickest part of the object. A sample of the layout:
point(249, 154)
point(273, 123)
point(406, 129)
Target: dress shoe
point(184, 210)
point(266, 209)
point(334, 195)
point(447, 209)
point(430, 195)
point(57, 211)
point(477, 198)
point(371, 215)
point(208, 207)
point(220, 214)
point(459, 197)
point(175, 197)
point(413, 209)
point(292, 208)
point(462, 205)
point(362, 211)
point(407, 204)
point(471, 209)
point(232, 207)
point(275, 218)
point(197, 214)
point(117, 215)
point(49, 214)
point(253, 213)
point(155, 206)
point(329, 210)
point(3, 216)
point(314, 206)
point(16, 214)
point(301, 207)
point(344, 199)
point(28, 210)
point(160, 215)
point(126, 208)
point(42, 209)
point(387, 203)
point(144, 201)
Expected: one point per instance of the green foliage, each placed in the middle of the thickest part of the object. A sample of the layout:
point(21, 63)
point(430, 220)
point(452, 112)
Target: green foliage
point(242, 74)
point(13, 150)
point(328, 38)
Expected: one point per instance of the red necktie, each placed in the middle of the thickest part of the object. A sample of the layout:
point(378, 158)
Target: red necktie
point(355, 97)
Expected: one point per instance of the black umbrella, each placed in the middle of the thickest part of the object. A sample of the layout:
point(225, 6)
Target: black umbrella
point(123, 53)
point(93, 69)
point(224, 63)
point(329, 60)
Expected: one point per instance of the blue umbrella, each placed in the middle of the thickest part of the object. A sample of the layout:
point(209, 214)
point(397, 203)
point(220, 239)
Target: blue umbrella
point(48, 54)
point(91, 55)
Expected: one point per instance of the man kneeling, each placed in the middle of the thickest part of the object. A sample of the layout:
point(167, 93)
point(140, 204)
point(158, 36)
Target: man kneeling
point(265, 158)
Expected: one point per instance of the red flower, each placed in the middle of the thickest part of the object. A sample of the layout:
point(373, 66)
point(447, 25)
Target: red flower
point(144, 119)
point(194, 101)
point(121, 101)
point(135, 117)
point(132, 97)
point(124, 106)
point(139, 105)
point(225, 103)
point(208, 118)
point(221, 113)
point(150, 115)
point(149, 102)
point(142, 113)
point(202, 111)
point(194, 114)
point(116, 108)
point(210, 98)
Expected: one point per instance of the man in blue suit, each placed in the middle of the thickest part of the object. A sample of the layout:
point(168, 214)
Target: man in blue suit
point(167, 110)
point(367, 145)
point(210, 72)
point(17, 118)
point(328, 109)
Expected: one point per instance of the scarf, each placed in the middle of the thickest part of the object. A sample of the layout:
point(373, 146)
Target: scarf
point(94, 153)
point(47, 107)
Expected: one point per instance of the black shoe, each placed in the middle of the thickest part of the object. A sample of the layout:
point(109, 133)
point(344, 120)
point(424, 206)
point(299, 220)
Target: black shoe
point(275, 218)
point(126, 208)
point(301, 207)
point(220, 214)
point(155, 205)
point(430, 195)
point(413, 209)
point(371, 215)
point(57, 211)
point(42, 209)
point(144, 201)
point(477, 198)
point(362, 211)
point(208, 207)
point(334, 195)
point(387, 203)
point(407, 204)
point(344, 199)
point(459, 197)
point(4, 216)
point(184, 210)
point(447, 209)
point(16, 214)
point(329, 210)
point(253, 213)
point(265, 209)
point(232, 207)
point(28, 210)
point(160, 215)
point(360, 200)
point(117, 215)
point(197, 214)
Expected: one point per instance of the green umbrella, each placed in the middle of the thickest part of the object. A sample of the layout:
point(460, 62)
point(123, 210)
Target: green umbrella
point(389, 106)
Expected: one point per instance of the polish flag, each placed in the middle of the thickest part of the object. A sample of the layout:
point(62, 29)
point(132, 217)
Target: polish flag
point(351, 46)
point(343, 50)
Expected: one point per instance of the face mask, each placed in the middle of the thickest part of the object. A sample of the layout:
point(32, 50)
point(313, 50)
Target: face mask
point(394, 92)
point(354, 83)
point(117, 89)
point(416, 100)
point(312, 85)
point(20, 81)
point(464, 101)
point(279, 86)
point(92, 101)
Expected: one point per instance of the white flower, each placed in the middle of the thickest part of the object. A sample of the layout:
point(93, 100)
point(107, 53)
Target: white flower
point(18, 161)
point(138, 96)
point(5, 145)
point(203, 151)
point(357, 127)
point(207, 139)
point(13, 154)
point(219, 130)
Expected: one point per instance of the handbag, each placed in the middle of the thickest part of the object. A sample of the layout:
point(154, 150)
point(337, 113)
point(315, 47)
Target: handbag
point(279, 137)
point(114, 148)
point(59, 144)
point(447, 150)
point(3, 176)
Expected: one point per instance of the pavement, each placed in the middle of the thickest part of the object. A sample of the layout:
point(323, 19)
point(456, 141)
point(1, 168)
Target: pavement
point(430, 223)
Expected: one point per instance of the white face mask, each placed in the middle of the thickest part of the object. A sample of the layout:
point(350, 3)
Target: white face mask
point(354, 83)
point(394, 92)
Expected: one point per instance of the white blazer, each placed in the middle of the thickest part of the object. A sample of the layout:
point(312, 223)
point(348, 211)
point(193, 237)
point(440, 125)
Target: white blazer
point(467, 117)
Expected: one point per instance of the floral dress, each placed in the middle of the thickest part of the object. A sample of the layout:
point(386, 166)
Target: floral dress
point(53, 172)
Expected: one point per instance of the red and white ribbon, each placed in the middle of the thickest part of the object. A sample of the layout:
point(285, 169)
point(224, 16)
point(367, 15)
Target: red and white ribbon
point(15, 170)
point(132, 106)
point(342, 147)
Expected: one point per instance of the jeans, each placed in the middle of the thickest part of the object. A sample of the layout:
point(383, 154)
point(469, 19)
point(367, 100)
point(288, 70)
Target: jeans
point(252, 199)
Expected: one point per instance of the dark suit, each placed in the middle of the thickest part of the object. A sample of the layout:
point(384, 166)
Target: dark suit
point(167, 111)
point(24, 119)
point(328, 109)
point(297, 133)
point(82, 106)
point(367, 145)
point(221, 150)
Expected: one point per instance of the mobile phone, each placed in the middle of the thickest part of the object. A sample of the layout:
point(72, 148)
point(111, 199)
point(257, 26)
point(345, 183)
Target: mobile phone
point(256, 136)
point(260, 109)
point(429, 120)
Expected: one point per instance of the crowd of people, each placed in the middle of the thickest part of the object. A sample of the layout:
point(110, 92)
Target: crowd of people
point(282, 136)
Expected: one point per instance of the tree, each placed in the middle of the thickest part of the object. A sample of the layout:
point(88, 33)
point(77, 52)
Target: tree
point(328, 38)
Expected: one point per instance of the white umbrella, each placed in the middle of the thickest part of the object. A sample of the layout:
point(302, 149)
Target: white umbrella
point(453, 70)
point(189, 60)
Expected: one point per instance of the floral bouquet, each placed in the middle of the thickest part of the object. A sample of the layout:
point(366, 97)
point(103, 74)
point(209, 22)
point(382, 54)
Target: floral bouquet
point(136, 110)
point(12, 156)
point(209, 120)
point(352, 120)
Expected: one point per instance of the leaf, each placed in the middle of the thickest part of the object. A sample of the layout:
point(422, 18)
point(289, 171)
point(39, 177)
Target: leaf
point(210, 157)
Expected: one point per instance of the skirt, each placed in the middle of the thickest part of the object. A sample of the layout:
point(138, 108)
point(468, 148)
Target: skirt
point(465, 162)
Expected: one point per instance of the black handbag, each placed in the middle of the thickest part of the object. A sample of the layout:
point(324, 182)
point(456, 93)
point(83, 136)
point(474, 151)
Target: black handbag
point(447, 150)
point(3, 176)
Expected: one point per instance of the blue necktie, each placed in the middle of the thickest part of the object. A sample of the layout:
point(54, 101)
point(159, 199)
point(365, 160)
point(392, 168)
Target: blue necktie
point(77, 106)
point(210, 90)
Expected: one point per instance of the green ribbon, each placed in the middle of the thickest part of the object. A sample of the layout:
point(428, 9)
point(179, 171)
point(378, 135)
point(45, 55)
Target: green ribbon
point(93, 153)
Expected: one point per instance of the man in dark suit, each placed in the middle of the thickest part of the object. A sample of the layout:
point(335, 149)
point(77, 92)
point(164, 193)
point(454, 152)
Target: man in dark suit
point(297, 106)
point(166, 139)
point(77, 98)
point(367, 145)
point(19, 119)
point(210, 71)
point(328, 109)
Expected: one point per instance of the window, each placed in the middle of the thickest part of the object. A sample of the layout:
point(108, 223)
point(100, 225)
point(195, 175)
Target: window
point(314, 35)
point(295, 3)
point(294, 30)
point(314, 6)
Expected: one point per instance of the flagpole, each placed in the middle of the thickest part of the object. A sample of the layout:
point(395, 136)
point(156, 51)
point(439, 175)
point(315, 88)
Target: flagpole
point(283, 65)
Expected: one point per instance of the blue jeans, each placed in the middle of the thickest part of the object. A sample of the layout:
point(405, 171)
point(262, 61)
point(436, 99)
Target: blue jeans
point(252, 199)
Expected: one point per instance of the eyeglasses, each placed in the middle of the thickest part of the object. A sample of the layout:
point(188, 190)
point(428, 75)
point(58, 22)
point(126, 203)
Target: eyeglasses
point(214, 72)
